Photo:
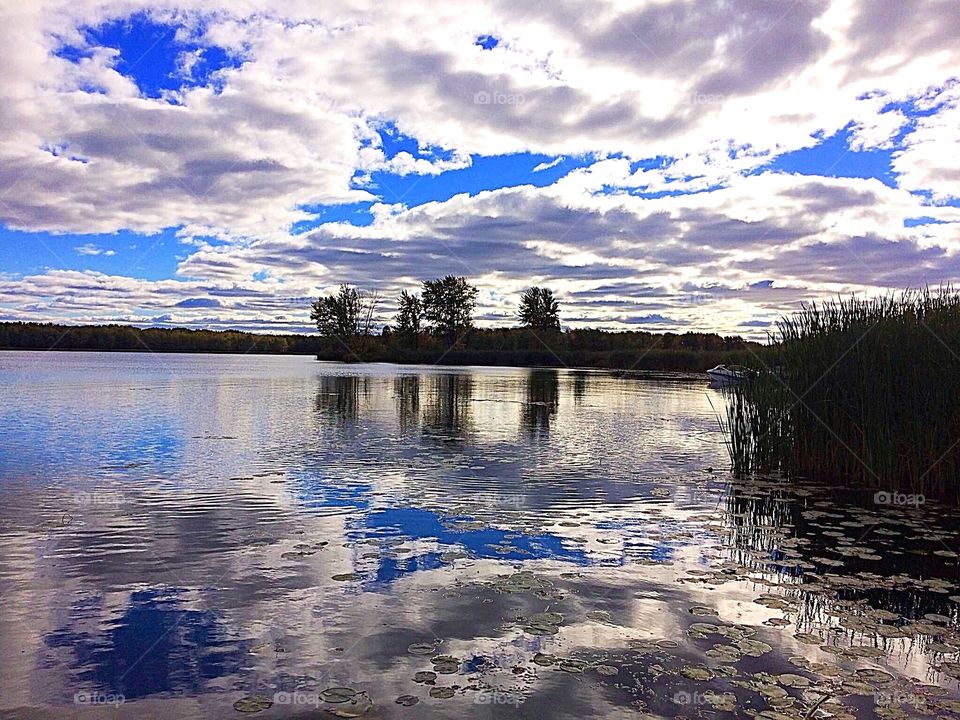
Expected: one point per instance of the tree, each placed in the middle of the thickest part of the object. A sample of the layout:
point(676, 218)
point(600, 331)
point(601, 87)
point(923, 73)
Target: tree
point(339, 315)
point(539, 309)
point(409, 317)
point(448, 305)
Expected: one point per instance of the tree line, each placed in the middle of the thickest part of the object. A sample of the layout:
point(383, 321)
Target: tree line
point(51, 336)
point(444, 308)
point(436, 325)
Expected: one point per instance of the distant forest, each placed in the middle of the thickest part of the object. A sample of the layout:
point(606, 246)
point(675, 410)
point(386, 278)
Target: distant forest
point(480, 346)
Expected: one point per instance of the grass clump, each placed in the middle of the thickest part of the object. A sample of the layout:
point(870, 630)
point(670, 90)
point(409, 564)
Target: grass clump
point(857, 390)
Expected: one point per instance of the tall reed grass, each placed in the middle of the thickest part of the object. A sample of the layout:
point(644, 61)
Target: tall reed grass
point(860, 391)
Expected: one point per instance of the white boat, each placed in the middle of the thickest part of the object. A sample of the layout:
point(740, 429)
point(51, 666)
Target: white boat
point(726, 375)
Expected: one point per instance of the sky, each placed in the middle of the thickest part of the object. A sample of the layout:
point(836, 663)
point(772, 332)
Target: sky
point(664, 165)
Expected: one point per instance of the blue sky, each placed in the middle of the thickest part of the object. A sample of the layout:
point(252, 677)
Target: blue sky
point(170, 154)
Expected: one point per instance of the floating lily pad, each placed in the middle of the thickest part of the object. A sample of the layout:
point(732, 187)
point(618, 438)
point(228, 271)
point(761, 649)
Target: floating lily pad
point(541, 629)
point(421, 649)
point(703, 629)
point(696, 672)
point(544, 660)
point(407, 700)
point(338, 694)
point(358, 706)
point(344, 577)
point(252, 704)
point(793, 680)
point(426, 677)
point(446, 667)
point(600, 616)
point(608, 670)
point(754, 648)
point(723, 702)
point(702, 611)
point(441, 692)
point(855, 687)
point(874, 676)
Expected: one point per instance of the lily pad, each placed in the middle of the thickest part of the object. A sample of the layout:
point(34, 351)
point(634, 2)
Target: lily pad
point(541, 629)
point(338, 694)
point(407, 700)
point(793, 680)
point(441, 692)
point(696, 673)
point(344, 577)
point(874, 676)
point(421, 649)
point(447, 667)
point(600, 616)
point(252, 704)
point(702, 611)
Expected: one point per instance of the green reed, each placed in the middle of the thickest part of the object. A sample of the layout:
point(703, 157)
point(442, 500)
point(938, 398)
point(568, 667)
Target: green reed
point(858, 391)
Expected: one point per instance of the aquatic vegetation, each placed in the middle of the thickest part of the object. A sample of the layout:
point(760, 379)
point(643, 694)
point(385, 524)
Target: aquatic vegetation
point(858, 390)
point(338, 695)
point(252, 704)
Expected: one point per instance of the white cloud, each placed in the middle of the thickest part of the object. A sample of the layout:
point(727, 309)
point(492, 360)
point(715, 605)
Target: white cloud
point(721, 89)
point(91, 249)
point(547, 165)
point(928, 162)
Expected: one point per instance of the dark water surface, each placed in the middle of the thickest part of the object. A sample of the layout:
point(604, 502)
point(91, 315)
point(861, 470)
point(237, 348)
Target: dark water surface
point(198, 536)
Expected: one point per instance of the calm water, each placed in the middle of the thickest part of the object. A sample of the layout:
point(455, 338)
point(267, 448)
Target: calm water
point(199, 536)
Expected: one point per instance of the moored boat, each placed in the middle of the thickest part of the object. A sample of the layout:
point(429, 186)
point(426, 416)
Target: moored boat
point(726, 375)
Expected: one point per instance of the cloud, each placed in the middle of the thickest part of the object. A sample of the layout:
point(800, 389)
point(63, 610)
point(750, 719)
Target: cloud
point(680, 104)
point(91, 249)
point(547, 165)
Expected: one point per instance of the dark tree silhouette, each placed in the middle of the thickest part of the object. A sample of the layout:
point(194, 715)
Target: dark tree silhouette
point(409, 318)
point(340, 315)
point(539, 309)
point(448, 305)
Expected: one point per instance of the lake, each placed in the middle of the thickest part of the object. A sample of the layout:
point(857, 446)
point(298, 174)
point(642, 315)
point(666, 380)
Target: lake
point(211, 536)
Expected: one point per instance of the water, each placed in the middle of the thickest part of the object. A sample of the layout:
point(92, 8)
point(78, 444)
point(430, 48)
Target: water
point(196, 536)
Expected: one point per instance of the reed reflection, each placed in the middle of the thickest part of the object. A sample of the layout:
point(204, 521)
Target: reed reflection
point(856, 575)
